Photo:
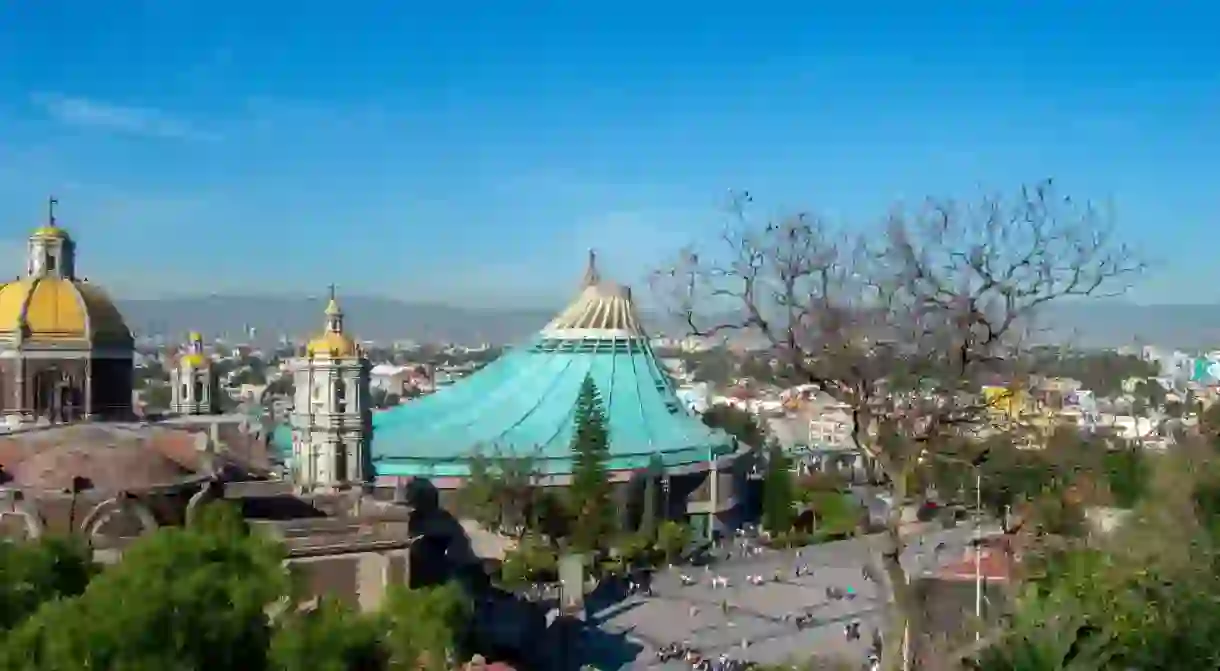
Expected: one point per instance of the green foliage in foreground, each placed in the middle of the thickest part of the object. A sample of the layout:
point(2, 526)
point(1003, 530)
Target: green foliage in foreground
point(1145, 598)
point(210, 596)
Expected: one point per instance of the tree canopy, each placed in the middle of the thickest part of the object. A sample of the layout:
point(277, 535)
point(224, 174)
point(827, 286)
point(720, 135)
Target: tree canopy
point(741, 424)
point(1145, 597)
point(213, 595)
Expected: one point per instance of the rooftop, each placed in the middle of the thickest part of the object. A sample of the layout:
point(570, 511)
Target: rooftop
point(522, 403)
point(108, 456)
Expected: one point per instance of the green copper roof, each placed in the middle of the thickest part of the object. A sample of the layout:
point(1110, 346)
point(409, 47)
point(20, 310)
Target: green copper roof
point(522, 404)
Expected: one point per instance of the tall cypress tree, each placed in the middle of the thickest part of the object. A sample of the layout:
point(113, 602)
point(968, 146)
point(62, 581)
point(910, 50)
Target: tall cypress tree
point(778, 492)
point(590, 491)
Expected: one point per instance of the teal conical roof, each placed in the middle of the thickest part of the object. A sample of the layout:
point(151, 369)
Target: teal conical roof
point(522, 403)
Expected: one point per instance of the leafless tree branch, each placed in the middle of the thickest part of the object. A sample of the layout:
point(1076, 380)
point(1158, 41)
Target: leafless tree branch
point(904, 321)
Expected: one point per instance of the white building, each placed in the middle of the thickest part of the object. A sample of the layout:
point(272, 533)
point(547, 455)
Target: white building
point(331, 415)
point(830, 422)
point(194, 387)
point(390, 378)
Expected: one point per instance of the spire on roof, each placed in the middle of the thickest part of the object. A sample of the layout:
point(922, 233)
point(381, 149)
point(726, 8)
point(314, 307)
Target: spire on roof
point(334, 316)
point(592, 277)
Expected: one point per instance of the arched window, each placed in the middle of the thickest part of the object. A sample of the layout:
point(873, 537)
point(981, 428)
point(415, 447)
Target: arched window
point(340, 396)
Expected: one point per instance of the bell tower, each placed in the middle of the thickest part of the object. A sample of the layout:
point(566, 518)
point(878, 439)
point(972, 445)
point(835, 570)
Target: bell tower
point(331, 412)
point(51, 252)
point(194, 386)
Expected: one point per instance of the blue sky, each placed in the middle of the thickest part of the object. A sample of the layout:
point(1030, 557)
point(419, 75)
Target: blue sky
point(471, 152)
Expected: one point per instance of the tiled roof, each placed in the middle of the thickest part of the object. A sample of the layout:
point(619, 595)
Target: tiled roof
point(110, 457)
point(995, 563)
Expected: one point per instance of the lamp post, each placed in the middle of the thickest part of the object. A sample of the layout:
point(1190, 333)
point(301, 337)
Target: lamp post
point(978, 548)
point(976, 464)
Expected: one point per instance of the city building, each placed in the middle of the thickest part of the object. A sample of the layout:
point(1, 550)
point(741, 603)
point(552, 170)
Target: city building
point(830, 422)
point(75, 462)
point(331, 414)
point(522, 404)
point(194, 386)
point(65, 352)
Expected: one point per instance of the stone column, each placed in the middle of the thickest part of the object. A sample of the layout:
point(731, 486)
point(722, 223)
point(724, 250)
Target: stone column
point(372, 577)
point(88, 391)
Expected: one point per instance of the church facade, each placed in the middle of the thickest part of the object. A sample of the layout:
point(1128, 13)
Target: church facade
point(65, 351)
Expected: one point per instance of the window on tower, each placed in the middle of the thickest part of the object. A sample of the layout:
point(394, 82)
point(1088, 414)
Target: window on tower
point(340, 397)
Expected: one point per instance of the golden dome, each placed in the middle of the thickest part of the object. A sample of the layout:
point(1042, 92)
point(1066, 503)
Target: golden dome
point(50, 231)
point(54, 309)
point(192, 359)
point(193, 355)
point(332, 344)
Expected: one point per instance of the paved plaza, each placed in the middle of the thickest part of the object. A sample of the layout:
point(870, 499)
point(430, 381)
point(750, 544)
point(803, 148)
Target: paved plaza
point(757, 613)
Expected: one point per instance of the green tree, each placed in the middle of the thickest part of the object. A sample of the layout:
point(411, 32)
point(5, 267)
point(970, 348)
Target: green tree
point(517, 490)
point(740, 424)
point(426, 628)
point(652, 498)
point(181, 598)
point(330, 637)
point(778, 492)
point(478, 496)
point(1142, 598)
point(1127, 473)
point(590, 491)
point(672, 539)
point(157, 395)
point(530, 562)
point(36, 572)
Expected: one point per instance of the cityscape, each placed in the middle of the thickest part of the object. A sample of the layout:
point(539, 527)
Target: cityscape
point(974, 431)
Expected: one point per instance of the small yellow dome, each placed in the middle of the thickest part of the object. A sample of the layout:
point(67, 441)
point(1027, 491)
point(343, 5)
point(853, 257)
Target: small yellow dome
point(56, 309)
point(50, 231)
point(333, 344)
point(193, 359)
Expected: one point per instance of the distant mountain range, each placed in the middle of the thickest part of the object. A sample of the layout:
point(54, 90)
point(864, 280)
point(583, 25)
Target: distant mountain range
point(1087, 324)
point(369, 318)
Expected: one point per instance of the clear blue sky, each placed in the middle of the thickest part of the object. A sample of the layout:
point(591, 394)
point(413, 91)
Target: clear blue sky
point(471, 152)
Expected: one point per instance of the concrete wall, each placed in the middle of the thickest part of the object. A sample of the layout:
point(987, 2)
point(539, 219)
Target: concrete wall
point(360, 579)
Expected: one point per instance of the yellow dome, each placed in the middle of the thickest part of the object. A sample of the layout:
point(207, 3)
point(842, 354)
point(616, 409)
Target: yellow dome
point(50, 231)
point(332, 344)
point(52, 309)
point(194, 360)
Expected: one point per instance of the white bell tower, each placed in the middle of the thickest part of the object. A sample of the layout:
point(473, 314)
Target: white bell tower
point(331, 411)
point(194, 387)
point(50, 251)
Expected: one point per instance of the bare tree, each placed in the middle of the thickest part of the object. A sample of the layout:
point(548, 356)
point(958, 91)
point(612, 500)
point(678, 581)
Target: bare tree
point(901, 322)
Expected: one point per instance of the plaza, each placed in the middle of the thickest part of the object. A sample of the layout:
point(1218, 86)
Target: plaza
point(760, 614)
